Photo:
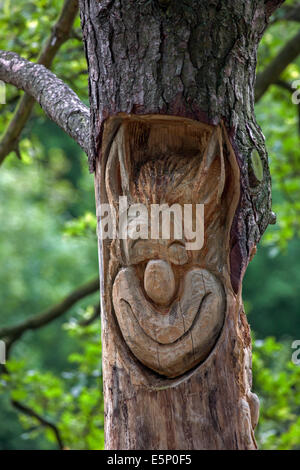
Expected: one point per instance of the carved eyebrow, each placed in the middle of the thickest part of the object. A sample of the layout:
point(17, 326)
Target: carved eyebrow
point(132, 243)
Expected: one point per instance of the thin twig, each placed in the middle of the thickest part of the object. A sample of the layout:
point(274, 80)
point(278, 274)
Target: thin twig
point(43, 421)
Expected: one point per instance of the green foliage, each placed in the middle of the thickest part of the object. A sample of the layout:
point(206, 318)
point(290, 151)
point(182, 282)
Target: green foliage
point(72, 400)
point(25, 27)
point(272, 279)
point(271, 292)
point(82, 226)
point(40, 264)
point(279, 119)
point(277, 383)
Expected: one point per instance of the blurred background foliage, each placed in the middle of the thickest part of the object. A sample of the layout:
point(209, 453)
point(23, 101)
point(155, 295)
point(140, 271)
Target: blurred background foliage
point(48, 248)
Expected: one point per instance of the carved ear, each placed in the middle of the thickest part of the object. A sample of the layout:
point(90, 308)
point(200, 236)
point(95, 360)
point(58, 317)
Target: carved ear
point(118, 168)
point(213, 148)
point(130, 141)
point(212, 167)
point(128, 149)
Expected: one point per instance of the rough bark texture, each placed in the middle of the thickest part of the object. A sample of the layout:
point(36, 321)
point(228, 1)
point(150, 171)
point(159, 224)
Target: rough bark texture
point(195, 60)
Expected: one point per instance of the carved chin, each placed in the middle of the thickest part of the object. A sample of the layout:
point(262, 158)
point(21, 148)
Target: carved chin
point(171, 342)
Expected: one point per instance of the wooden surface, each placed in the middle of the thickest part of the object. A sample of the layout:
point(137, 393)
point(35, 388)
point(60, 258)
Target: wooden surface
point(176, 361)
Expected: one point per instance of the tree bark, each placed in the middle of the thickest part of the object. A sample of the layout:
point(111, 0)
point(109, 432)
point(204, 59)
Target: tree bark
point(196, 61)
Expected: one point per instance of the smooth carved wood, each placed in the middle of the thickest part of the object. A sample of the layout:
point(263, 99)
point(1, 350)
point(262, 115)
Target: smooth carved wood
point(188, 345)
point(175, 341)
point(179, 162)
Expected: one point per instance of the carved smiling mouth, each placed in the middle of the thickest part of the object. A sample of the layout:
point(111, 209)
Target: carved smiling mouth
point(172, 341)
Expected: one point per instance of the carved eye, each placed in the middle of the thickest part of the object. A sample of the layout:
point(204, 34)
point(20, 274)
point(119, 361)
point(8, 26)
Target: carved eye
point(177, 253)
point(141, 250)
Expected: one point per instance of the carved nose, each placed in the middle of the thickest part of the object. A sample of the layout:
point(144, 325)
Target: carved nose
point(159, 282)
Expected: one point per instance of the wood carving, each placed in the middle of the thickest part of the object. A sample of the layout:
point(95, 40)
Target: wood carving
point(168, 301)
point(171, 319)
point(173, 340)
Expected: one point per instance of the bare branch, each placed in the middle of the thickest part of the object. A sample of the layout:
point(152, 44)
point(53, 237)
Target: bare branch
point(273, 71)
point(59, 102)
point(29, 412)
point(37, 321)
point(12, 333)
point(43, 421)
point(60, 34)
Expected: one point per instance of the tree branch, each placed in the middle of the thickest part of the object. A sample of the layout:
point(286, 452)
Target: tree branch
point(60, 33)
point(44, 422)
point(37, 321)
point(59, 102)
point(273, 71)
point(29, 412)
point(12, 333)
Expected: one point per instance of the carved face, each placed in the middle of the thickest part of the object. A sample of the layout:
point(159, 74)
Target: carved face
point(170, 301)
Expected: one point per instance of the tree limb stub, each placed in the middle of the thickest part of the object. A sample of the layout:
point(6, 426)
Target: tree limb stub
point(43, 421)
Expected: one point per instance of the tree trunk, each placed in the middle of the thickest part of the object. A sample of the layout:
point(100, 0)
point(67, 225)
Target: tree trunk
point(172, 105)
